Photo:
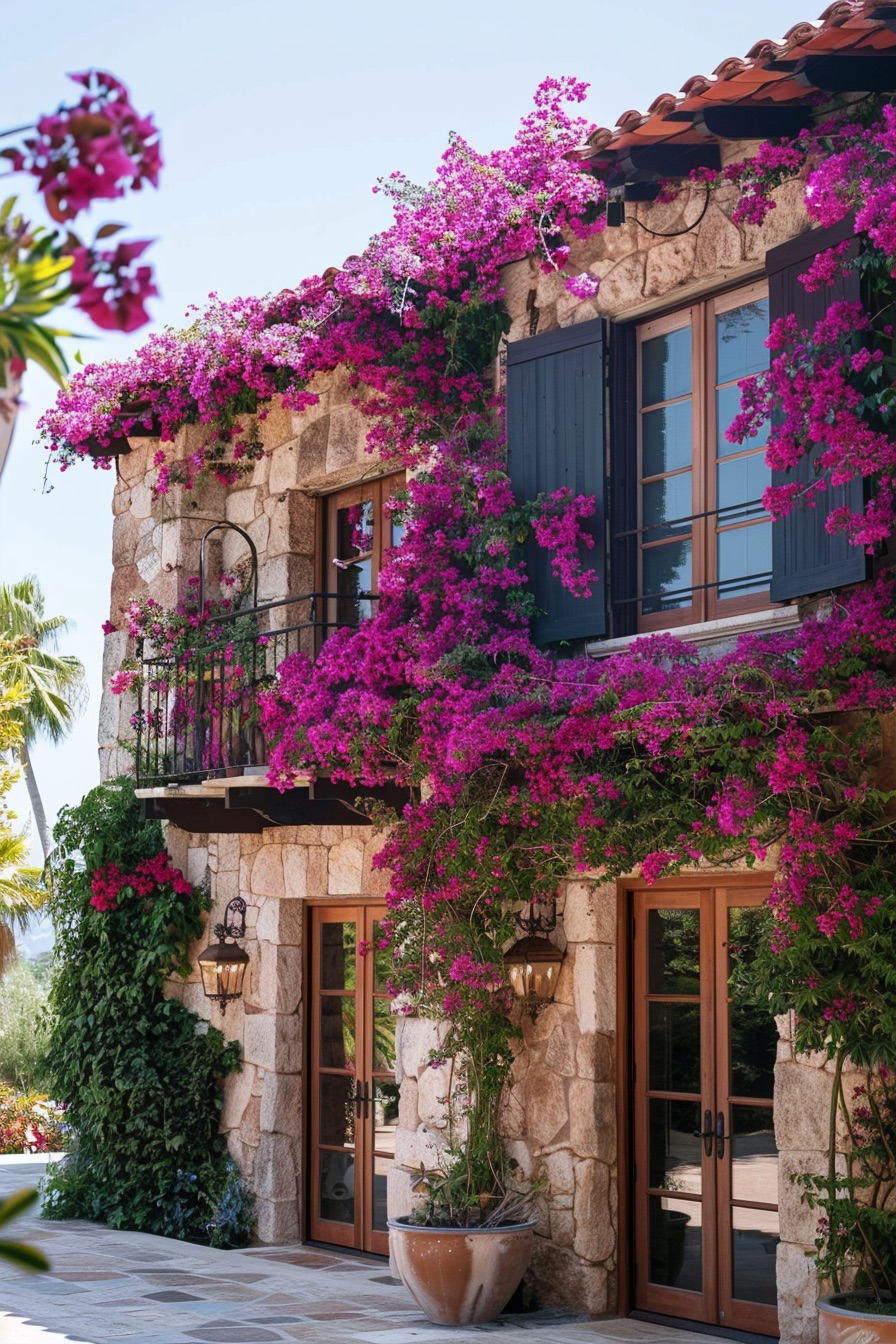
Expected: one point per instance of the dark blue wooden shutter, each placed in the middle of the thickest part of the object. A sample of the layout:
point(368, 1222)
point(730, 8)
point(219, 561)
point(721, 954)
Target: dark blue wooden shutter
point(555, 437)
point(805, 558)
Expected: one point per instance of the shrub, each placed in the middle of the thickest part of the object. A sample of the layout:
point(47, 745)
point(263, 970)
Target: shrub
point(141, 1073)
point(30, 1122)
point(24, 1029)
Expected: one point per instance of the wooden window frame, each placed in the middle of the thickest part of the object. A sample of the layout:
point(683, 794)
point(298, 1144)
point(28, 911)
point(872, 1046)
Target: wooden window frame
point(706, 605)
point(377, 489)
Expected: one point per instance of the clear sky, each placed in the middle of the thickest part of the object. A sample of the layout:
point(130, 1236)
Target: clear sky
point(277, 119)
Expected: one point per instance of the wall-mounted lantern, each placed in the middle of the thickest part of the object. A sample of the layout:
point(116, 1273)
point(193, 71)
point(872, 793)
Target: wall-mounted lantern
point(533, 964)
point(223, 965)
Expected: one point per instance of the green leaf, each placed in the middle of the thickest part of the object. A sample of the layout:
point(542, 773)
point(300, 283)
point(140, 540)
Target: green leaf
point(24, 1257)
point(17, 1203)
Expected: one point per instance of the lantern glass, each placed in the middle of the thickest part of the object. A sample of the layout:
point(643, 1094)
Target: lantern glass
point(533, 969)
point(223, 969)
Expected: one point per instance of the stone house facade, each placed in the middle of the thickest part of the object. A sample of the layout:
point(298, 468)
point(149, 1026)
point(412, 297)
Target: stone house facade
point(604, 1100)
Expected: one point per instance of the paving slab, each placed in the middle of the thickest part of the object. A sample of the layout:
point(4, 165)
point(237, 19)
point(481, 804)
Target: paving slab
point(106, 1285)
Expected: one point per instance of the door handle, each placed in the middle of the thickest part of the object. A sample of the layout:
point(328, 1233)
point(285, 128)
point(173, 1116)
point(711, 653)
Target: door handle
point(359, 1098)
point(721, 1136)
point(707, 1133)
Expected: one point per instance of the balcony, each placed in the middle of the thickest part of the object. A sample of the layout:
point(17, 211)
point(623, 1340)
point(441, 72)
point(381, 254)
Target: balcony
point(201, 758)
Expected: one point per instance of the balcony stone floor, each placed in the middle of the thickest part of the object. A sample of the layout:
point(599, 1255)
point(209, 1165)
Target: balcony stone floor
point(105, 1286)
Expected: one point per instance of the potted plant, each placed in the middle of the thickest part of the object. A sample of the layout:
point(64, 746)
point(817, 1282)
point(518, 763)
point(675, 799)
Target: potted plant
point(855, 1249)
point(463, 1251)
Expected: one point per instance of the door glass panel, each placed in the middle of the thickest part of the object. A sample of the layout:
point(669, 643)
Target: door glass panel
point(676, 1243)
point(337, 1033)
point(674, 1154)
point(673, 951)
point(385, 1121)
point(674, 1047)
point(740, 341)
point(337, 1187)
point(666, 439)
point(666, 570)
point(338, 966)
point(354, 530)
point(383, 1037)
point(754, 1037)
point(754, 1242)
point(754, 1155)
point(337, 1109)
point(666, 507)
point(382, 962)
point(353, 586)
point(666, 367)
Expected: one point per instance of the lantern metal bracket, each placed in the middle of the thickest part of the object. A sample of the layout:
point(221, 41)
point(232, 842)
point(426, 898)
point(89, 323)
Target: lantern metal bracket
point(234, 925)
point(532, 923)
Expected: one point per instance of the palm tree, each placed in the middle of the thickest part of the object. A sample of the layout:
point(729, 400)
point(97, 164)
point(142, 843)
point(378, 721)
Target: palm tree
point(20, 889)
point(53, 682)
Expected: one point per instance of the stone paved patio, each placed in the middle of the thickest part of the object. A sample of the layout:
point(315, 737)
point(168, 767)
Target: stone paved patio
point(107, 1286)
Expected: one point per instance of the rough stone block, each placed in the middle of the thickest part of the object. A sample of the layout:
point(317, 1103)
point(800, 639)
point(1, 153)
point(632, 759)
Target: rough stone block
point(237, 1091)
point(273, 1041)
point(560, 1055)
point(277, 1167)
point(279, 985)
point(560, 1170)
point(592, 1119)
point(250, 1123)
point(595, 1236)
point(281, 1104)
point(277, 1221)
point(622, 284)
point(559, 1278)
point(798, 1221)
point(408, 1114)
point(280, 921)
point(802, 1107)
point(669, 265)
point(347, 437)
point(401, 1197)
point(797, 1290)
point(547, 1106)
point(589, 913)
point(267, 872)
point(293, 523)
point(283, 468)
point(228, 851)
point(345, 868)
point(595, 1057)
point(433, 1088)
point(243, 506)
point(416, 1147)
point(594, 986)
point(197, 863)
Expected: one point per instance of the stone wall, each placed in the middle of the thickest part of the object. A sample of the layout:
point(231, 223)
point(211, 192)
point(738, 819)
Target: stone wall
point(276, 872)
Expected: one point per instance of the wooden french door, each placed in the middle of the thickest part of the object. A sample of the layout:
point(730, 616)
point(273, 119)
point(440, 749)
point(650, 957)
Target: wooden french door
point(353, 1095)
point(705, 1207)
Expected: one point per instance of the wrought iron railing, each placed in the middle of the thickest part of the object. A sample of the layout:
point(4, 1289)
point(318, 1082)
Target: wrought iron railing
point(198, 716)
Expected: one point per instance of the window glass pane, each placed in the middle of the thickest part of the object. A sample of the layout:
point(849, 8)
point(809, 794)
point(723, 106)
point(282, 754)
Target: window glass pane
point(740, 482)
point(353, 582)
point(673, 938)
point(674, 1156)
point(337, 955)
point(673, 1047)
point(666, 501)
point(666, 439)
point(727, 407)
point(740, 341)
point(676, 1243)
point(354, 530)
point(745, 559)
point(397, 532)
point(666, 570)
point(666, 367)
point(754, 1242)
point(754, 1155)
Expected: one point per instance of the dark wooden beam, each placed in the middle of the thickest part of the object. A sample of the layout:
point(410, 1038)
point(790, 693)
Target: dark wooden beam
point(751, 121)
point(844, 72)
point(669, 160)
point(198, 815)
point(295, 807)
point(118, 447)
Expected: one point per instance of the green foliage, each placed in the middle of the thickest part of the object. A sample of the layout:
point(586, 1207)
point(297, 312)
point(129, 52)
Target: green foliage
point(23, 1257)
point(33, 281)
point(24, 1028)
point(140, 1072)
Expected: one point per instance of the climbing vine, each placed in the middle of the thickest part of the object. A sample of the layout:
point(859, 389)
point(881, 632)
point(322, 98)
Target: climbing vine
point(141, 1074)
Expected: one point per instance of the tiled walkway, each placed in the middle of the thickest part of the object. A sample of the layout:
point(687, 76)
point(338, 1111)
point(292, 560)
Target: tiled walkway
point(106, 1286)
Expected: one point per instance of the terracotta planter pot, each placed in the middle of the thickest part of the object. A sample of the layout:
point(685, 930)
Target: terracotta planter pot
point(845, 1325)
point(460, 1275)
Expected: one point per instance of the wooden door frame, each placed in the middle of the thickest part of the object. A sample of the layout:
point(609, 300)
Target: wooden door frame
point(335, 903)
point(625, 889)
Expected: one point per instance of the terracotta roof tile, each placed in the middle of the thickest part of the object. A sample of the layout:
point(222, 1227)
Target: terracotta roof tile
point(852, 27)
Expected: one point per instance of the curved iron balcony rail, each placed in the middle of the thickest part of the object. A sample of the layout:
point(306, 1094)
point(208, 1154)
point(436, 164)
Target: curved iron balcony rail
point(198, 713)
